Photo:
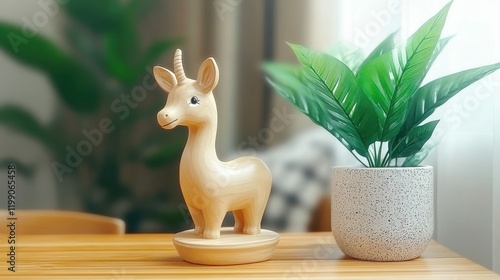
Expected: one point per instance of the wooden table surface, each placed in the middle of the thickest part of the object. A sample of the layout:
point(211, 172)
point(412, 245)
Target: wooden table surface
point(153, 256)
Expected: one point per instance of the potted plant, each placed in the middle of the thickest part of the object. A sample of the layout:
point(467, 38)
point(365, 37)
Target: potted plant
point(378, 109)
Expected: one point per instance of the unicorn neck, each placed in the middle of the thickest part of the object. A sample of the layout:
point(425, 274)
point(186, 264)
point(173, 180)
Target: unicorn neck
point(201, 141)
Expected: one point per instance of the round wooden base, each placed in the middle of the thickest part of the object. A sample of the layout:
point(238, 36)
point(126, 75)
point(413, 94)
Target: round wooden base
point(231, 248)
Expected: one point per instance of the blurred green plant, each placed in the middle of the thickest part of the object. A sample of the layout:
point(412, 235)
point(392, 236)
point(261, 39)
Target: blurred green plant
point(375, 106)
point(95, 83)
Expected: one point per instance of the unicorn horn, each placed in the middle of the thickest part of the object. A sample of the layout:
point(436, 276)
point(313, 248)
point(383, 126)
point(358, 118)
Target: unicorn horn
point(178, 68)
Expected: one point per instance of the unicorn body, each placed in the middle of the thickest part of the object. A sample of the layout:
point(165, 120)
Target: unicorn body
point(209, 186)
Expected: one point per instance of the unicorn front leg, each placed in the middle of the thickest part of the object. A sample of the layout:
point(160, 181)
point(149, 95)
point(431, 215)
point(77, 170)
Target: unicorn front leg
point(214, 214)
point(199, 221)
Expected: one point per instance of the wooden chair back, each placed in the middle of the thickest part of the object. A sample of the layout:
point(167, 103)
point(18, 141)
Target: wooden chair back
point(60, 222)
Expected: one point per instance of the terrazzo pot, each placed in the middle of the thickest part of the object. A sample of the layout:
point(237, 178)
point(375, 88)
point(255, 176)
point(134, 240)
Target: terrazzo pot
point(383, 214)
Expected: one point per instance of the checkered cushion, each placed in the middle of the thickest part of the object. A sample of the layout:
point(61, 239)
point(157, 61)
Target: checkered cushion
point(301, 174)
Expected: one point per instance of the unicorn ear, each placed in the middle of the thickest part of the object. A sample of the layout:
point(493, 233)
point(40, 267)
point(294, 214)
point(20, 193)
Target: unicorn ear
point(208, 75)
point(164, 78)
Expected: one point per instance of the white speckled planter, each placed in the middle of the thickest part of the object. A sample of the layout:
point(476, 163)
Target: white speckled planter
point(383, 214)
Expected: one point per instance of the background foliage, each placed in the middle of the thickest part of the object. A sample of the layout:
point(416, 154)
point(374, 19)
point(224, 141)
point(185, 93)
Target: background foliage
point(94, 81)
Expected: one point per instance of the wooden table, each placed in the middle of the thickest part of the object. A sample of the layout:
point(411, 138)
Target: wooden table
point(152, 256)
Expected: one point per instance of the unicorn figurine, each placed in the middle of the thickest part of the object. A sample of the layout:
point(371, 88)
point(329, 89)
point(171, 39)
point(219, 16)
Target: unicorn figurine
point(210, 187)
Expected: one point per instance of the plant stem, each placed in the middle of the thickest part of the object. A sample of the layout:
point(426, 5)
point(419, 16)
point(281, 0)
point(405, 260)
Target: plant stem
point(376, 157)
point(371, 156)
point(370, 160)
point(380, 154)
point(387, 159)
point(359, 158)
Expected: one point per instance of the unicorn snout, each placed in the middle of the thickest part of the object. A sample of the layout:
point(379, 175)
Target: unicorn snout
point(165, 120)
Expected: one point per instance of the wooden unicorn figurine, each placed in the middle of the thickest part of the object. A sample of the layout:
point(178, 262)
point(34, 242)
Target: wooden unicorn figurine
point(210, 187)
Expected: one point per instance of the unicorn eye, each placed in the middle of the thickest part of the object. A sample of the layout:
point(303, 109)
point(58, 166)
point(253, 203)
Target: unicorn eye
point(194, 100)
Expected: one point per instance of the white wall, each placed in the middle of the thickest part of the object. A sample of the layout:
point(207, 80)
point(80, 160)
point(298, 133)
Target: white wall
point(465, 158)
point(465, 199)
point(496, 188)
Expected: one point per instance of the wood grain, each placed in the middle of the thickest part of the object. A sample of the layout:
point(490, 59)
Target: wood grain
point(231, 248)
point(153, 256)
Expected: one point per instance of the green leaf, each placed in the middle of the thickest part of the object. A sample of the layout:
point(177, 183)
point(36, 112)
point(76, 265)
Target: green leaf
point(139, 8)
point(442, 43)
point(416, 159)
point(77, 87)
point(35, 51)
point(117, 61)
point(171, 217)
point(87, 50)
point(347, 54)
point(74, 84)
point(289, 82)
point(24, 122)
point(434, 94)
point(391, 79)
point(154, 51)
point(335, 86)
point(165, 154)
point(385, 46)
point(413, 142)
point(124, 63)
point(99, 16)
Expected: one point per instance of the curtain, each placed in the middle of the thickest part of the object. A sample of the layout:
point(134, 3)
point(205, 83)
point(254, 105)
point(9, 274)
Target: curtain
point(240, 35)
